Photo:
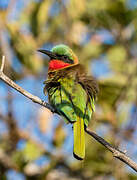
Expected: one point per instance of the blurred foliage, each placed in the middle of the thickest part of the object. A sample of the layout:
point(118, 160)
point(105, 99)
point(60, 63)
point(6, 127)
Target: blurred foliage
point(97, 31)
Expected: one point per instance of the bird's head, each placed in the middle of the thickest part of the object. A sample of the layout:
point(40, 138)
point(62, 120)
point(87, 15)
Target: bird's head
point(61, 56)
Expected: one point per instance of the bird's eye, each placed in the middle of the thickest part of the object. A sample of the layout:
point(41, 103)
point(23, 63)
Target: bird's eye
point(65, 57)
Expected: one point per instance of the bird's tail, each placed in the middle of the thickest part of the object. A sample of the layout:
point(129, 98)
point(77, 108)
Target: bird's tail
point(79, 139)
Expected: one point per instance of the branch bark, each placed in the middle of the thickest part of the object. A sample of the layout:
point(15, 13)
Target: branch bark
point(116, 152)
point(11, 83)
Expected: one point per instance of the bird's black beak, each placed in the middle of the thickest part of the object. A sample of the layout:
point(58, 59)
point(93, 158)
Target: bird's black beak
point(48, 53)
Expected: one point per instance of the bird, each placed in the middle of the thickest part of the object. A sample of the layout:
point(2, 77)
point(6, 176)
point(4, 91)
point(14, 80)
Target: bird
point(71, 92)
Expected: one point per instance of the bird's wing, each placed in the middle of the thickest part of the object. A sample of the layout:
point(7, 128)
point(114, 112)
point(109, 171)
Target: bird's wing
point(89, 84)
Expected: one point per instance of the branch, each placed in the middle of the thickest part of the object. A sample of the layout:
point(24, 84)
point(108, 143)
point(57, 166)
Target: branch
point(116, 153)
point(11, 83)
point(2, 64)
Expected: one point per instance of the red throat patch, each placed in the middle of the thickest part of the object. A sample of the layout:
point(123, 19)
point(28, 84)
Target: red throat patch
point(57, 64)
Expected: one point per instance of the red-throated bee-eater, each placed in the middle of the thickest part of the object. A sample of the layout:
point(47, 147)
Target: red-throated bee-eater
point(71, 92)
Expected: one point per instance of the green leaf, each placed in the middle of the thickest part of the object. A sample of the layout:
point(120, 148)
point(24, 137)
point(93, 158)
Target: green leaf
point(117, 56)
point(31, 151)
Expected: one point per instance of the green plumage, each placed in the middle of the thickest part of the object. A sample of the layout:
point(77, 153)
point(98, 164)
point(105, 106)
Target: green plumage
point(72, 94)
point(63, 50)
point(69, 98)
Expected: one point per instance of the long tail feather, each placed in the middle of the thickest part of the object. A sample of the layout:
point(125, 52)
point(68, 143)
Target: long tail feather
point(79, 139)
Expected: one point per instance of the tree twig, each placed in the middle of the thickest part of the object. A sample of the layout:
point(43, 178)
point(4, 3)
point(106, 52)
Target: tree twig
point(2, 64)
point(116, 153)
point(11, 83)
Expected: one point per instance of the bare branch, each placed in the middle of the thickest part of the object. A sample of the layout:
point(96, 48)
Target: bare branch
point(11, 83)
point(2, 64)
point(116, 152)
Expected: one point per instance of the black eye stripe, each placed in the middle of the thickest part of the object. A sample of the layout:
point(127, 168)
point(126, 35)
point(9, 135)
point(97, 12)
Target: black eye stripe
point(64, 58)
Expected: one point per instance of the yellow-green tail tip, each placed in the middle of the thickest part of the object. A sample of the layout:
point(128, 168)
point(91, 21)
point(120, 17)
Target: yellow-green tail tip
point(77, 157)
point(79, 139)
